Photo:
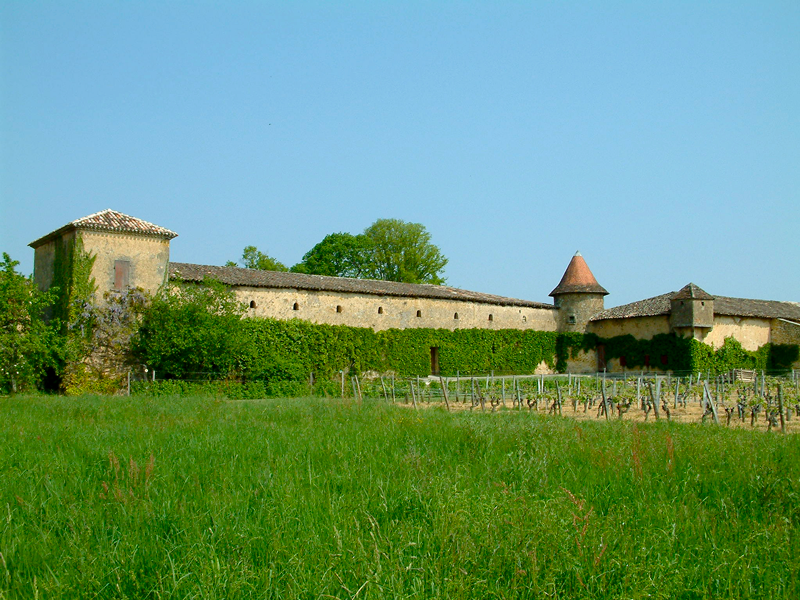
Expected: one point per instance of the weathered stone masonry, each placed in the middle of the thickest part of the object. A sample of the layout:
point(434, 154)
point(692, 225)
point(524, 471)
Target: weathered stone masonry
point(130, 253)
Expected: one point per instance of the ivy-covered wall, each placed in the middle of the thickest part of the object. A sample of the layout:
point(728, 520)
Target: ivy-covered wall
point(296, 348)
point(668, 351)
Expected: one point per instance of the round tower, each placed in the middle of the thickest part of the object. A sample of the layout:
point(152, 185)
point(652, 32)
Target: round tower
point(578, 296)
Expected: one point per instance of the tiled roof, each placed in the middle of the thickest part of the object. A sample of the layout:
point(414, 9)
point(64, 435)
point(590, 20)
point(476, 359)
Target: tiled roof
point(109, 220)
point(578, 279)
point(649, 307)
point(723, 305)
point(692, 292)
point(236, 276)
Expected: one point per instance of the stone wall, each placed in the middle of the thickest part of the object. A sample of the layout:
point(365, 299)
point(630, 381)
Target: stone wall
point(148, 257)
point(387, 312)
point(575, 310)
point(643, 328)
point(785, 332)
point(750, 332)
point(44, 260)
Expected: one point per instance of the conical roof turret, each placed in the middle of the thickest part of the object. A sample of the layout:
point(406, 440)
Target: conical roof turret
point(578, 279)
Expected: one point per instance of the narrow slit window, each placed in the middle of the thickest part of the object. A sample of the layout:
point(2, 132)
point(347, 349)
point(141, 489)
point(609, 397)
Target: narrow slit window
point(419, 313)
point(252, 303)
point(455, 316)
point(295, 306)
point(491, 317)
point(380, 310)
point(339, 308)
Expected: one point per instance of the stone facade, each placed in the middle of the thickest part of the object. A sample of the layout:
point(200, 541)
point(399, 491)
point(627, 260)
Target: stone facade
point(130, 252)
point(127, 252)
point(390, 312)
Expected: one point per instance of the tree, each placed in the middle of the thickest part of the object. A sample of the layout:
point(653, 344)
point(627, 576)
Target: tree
point(27, 344)
point(337, 255)
point(253, 258)
point(194, 328)
point(401, 251)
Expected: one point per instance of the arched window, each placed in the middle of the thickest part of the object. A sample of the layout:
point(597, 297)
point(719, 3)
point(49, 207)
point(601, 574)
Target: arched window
point(380, 310)
point(419, 313)
point(295, 306)
point(339, 308)
point(491, 317)
point(252, 303)
point(455, 316)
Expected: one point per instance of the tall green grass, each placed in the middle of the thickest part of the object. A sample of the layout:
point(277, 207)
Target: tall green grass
point(199, 498)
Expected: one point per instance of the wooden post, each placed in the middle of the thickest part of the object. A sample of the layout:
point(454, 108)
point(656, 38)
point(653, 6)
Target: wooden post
point(444, 392)
point(653, 400)
point(393, 396)
point(413, 393)
point(710, 400)
point(129, 383)
point(677, 389)
point(385, 394)
point(780, 409)
point(342, 374)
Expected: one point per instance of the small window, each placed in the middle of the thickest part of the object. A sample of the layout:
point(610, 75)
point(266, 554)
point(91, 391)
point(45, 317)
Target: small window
point(491, 317)
point(380, 310)
point(295, 306)
point(419, 313)
point(702, 304)
point(455, 316)
point(572, 320)
point(339, 308)
point(252, 303)
point(524, 319)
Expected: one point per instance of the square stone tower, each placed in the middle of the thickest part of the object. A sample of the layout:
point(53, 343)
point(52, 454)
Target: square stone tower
point(127, 252)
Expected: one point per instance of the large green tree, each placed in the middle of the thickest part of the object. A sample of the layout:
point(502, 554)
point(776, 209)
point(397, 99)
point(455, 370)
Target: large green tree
point(389, 249)
point(27, 344)
point(338, 255)
point(253, 258)
point(402, 251)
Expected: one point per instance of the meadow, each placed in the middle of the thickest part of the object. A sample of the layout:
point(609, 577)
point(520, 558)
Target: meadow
point(118, 497)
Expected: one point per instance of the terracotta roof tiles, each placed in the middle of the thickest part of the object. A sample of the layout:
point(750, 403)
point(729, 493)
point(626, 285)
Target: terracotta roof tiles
point(109, 220)
point(578, 279)
point(723, 305)
point(237, 276)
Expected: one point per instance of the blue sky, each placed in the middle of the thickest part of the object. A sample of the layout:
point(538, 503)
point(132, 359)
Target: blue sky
point(662, 140)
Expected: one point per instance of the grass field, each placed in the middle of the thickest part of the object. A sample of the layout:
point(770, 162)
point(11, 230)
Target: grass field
point(201, 498)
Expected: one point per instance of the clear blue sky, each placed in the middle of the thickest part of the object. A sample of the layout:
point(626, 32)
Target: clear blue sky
point(661, 139)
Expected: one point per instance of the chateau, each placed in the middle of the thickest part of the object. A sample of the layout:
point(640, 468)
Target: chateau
point(130, 252)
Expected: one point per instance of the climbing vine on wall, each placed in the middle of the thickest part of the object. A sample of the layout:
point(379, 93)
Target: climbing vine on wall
point(671, 352)
point(74, 289)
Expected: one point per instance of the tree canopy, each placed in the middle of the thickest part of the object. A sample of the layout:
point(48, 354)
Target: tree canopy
point(337, 255)
point(253, 258)
point(27, 344)
point(402, 251)
point(389, 249)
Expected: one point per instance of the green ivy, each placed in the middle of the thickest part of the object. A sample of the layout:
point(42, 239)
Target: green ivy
point(690, 355)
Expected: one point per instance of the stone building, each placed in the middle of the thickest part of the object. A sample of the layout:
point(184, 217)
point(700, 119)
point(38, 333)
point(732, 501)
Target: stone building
point(130, 252)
